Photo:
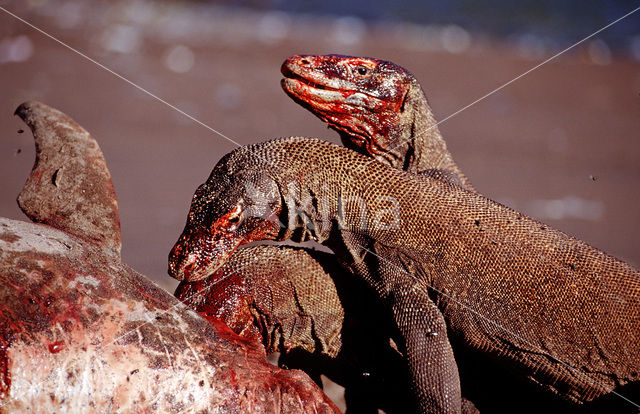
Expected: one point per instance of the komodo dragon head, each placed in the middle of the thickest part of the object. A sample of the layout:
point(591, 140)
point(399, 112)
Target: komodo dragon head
point(232, 208)
point(370, 102)
point(378, 108)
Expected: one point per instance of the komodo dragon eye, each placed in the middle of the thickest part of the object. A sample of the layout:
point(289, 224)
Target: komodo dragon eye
point(234, 216)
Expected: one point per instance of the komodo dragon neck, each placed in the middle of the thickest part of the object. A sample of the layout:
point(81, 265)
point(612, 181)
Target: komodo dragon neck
point(377, 107)
point(550, 307)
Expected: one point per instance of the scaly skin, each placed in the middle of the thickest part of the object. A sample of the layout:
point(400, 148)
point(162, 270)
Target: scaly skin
point(377, 107)
point(493, 282)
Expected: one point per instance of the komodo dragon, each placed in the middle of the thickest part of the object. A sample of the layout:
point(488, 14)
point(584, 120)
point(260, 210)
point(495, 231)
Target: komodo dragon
point(550, 308)
point(300, 310)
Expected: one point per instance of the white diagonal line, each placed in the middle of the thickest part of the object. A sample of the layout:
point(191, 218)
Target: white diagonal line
point(513, 80)
point(135, 85)
point(159, 313)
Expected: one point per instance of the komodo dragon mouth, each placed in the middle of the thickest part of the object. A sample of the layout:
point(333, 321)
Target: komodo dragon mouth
point(314, 87)
point(292, 77)
point(313, 93)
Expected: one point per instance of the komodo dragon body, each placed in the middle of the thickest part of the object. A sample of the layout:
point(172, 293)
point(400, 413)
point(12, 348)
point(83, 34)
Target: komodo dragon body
point(550, 308)
point(293, 299)
point(386, 132)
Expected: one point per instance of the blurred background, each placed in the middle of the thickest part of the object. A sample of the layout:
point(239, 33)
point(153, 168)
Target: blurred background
point(560, 144)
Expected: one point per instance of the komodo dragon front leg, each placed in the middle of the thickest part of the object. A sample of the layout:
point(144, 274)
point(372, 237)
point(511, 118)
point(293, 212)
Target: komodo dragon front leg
point(552, 310)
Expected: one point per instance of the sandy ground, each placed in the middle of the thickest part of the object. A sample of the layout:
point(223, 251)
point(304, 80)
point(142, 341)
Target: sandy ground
point(561, 144)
